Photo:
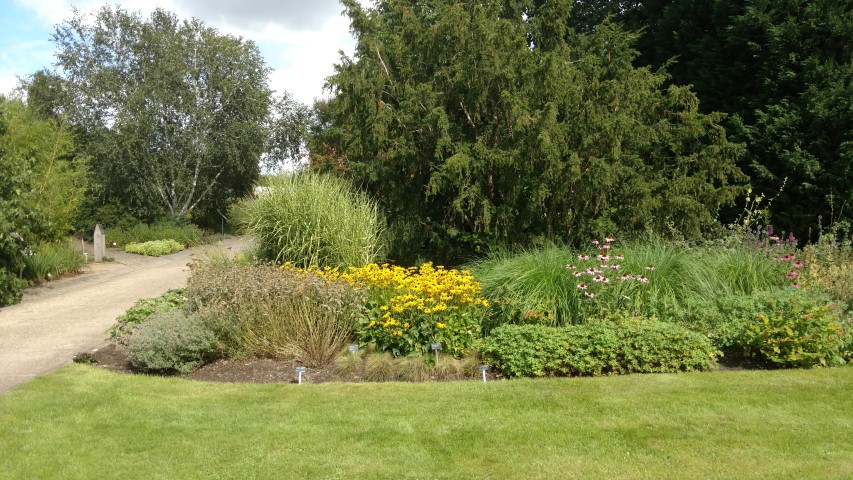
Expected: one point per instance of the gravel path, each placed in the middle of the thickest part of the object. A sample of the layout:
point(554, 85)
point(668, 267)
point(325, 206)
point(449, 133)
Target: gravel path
point(65, 317)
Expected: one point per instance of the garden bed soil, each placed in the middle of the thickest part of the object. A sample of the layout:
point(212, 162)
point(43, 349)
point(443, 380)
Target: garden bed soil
point(251, 370)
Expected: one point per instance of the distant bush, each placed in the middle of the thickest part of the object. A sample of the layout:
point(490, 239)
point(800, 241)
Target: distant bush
point(172, 342)
point(596, 348)
point(260, 310)
point(154, 248)
point(186, 234)
point(11, 287)
point(142, 310)
point(310, 219)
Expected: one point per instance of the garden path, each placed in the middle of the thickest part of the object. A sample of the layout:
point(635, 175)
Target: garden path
point(71, 315)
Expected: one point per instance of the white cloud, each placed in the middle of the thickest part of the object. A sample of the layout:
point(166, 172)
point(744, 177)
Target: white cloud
point(299, 40)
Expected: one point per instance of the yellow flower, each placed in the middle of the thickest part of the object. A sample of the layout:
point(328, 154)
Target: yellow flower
point(439, 325)
point(406, 325)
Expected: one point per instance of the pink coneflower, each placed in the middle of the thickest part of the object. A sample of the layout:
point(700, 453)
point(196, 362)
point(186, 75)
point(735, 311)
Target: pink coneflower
point(795, 285)
point(599, 278)
point(798, 264)
point(774, 238)
point(595, 242)
point(626, 277)
point(582, 286)
point(604, 266)
point(615, 266)
point(606, 246)
point(570, 266)
point(643, 279)
point(589, 294)
point(619, 256)
point(603, 258)
point(578, 274)
point(792, 274)
point(583, 257)
point(650, 268)
point(609, 239)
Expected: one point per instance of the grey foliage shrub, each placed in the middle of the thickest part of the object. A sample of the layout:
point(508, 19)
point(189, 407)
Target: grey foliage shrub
point(172, 341)
point(597, 348)
point(311, 219)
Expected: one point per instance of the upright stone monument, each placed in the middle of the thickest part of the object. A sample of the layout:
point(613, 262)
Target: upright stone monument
point(100, 243)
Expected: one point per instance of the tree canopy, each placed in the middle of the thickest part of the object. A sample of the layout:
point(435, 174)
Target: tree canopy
point(172, 112)
point(783, 70)
point(478, 123)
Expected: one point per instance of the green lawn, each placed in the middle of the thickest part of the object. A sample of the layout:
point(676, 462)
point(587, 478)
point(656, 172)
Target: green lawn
point(82, 422)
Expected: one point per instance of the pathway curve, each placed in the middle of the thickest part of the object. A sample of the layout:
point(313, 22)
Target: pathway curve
point(55, 321)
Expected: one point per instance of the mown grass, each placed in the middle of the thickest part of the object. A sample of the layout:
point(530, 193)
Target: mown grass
point(82, 422)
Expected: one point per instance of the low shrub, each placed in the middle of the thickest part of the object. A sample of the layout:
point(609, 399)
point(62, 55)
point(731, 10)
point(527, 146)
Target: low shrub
point(724, 319)
point(49, 261)
point(829, 263)
point(172, 342)
point(186, 234)
point(799, 336)
point(311, 219)
point(154, 248)
point(11, 288)
point(142, 310)
point(596, 348)
point(260, 310)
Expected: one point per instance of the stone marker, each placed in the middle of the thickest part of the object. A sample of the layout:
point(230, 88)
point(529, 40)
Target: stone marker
point(100, 243)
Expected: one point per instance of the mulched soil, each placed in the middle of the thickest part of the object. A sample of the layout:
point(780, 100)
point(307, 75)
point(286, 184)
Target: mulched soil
point(114, 358)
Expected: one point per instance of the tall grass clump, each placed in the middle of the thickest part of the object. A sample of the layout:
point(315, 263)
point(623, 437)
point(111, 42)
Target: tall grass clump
point(311, 219)
point(186, 234)
point(52, 260)
point(530, 286)
point(553, 285)
point(264, 311)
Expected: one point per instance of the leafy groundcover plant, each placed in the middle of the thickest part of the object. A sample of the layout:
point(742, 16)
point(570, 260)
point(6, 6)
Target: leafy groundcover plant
point(596, 348)
point(172, 341)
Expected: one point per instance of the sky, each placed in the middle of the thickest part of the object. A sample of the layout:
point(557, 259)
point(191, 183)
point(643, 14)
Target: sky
point(299, 39)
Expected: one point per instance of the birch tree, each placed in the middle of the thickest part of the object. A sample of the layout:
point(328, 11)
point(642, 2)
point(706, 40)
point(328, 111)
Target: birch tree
point(172, 112)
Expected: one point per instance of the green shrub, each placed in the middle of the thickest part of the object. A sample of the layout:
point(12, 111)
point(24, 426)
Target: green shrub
point(725, 318)
point(596, 348)
point(261, 310)
point(11, 288)
point(172, 342)
point(142, 310)
point(186, 234)
point(310, 219)
point(154, 248)
point(799, 337)
point(53, 260)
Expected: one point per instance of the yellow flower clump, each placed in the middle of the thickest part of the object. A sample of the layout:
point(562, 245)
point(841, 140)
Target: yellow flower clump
point(414, 304)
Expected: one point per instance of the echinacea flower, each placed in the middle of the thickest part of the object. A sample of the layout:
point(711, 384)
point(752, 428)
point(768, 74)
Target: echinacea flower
point(598, 278)
point(795, 285)
point(583, 257)
point(792, 274)
point(570, 266)
point(798, 264)
point(619, 256)
point(603, 258)
point(650, 268)
point(643, 279)
point(609, 239)
point(582, 286)
point(589, 294)
point(595, 242)
point(606, 246)
point(578, 274)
